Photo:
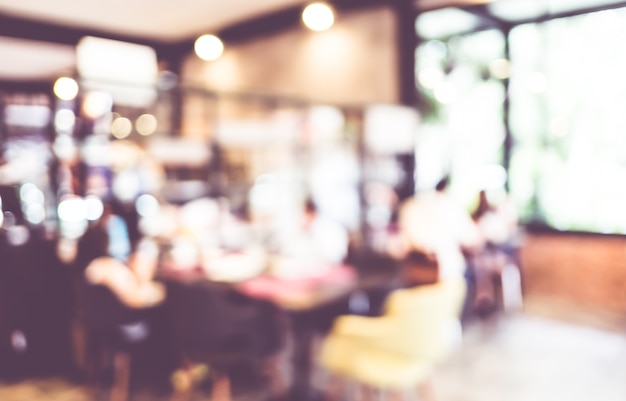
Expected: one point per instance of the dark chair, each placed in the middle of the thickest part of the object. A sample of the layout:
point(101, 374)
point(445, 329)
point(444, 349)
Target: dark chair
point(114, 332)
point(235, 336)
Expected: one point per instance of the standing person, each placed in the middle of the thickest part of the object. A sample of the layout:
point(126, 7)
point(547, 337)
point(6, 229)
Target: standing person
point(436, 232)
point(497, 260)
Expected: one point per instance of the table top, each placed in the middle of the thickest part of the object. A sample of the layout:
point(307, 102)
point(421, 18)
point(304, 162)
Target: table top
point(293, 294)
point(303, 293)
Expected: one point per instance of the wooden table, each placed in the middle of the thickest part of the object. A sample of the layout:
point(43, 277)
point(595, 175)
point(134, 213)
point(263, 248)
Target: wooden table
point(300, 298)
point(304, 300)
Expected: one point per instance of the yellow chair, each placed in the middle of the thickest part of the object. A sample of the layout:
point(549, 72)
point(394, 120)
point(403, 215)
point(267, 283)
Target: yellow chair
point(398, 350)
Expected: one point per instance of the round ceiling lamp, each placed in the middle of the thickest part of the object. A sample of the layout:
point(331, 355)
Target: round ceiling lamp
point(209, 47)
point(65, 88)
point(318, 17)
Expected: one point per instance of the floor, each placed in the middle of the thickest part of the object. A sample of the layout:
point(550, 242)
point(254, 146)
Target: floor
point(527, 358)
point(519, 358)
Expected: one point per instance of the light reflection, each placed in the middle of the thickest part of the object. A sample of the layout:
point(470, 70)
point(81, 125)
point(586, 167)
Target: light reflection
point(64, 121)
point(318, 17)
point(64, 147)
point(34, 213)
point(72, 209)
point(94, 208)
point(65, 88)
point(126, 186)
point(17, 235)
point(147, 205)
point(121, 127)
point(18, 341)
point(33, 200)
point(29, 193)
point(72, 213)
point(146, 124)
point(95, 150)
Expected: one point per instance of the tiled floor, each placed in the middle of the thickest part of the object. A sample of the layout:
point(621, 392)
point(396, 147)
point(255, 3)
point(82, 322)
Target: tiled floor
point(520, 358)
point(534, 359)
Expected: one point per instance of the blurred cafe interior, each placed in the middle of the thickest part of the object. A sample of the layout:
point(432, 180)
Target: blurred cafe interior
point(291, 200)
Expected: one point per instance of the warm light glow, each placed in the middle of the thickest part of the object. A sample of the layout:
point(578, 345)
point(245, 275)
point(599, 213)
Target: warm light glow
point(121, 127)
point(318, 17)
point(96, 104)
point(146, 124)
point(209, 47)
point(500, 68)
point(66, 88)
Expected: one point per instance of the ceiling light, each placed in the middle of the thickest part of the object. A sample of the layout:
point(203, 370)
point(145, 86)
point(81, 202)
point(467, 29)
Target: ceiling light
point(65, 88)
point(318, 17)
point(209, 47)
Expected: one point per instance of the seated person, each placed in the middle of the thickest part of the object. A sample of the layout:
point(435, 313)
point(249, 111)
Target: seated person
point(106, 258)
point(313, 247)
point(131, 282)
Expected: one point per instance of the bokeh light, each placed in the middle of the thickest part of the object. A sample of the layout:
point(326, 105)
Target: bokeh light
point(500, 68)
point(72, 209)
point(146, 124)
point(66, 88)
point(318, 17)
point(94, 208)
point(97, 104)
point(64, 121)
point(209, 47)
point(121, 127)
point(147, 205)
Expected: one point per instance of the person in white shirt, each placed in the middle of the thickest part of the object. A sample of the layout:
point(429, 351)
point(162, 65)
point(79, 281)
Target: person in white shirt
point(316, 246)
point(433, 223)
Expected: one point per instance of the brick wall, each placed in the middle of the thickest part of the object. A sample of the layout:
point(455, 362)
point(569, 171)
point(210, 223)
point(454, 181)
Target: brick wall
point(588, 271)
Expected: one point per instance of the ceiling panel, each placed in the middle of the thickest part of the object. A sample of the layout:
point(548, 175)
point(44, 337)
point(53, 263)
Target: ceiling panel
point(163, 20)
point(30, 60)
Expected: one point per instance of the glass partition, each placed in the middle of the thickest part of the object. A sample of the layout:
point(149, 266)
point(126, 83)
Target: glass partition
point(567, 102)
point(462, 132)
